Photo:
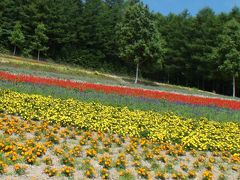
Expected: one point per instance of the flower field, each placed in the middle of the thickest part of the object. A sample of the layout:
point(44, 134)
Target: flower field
point(52, 128)
point(172, 97)
point(201, 135)
point(40, 149)
point(133, 103)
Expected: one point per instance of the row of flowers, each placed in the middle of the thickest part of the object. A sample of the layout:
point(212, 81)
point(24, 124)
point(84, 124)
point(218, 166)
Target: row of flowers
point(190, 133)
point(122, 90)
point(53, 150)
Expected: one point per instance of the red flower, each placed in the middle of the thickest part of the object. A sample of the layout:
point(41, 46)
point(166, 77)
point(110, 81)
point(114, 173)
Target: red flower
point(121, 90)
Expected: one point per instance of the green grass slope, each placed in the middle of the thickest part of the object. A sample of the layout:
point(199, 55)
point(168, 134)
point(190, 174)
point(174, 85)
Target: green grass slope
point(49, 69)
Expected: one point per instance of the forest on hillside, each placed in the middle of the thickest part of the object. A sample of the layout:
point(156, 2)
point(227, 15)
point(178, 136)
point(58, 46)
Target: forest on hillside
point(126, 37)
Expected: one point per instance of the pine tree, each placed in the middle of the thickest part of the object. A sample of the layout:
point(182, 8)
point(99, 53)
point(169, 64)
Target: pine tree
point(203, 41)
point(92, 27)
point(110, 17)
point(177, 29)
point(63, 24)
point(9, 15)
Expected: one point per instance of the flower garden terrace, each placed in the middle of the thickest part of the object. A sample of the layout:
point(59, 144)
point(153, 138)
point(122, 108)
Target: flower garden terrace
point(121, 90)
point(41, 149)
point(202, 134)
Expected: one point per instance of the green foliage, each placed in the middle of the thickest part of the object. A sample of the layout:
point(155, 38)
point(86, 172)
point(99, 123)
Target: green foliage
point(8, 17)
point(177, 31)
point(205, 30)
point(39, 39)
point(113, 35)
point(3, 50)
point(139, 41)
point(144, 133)
point(1, 31)
point(27, 53)
point(17, 37)
point(229, 48)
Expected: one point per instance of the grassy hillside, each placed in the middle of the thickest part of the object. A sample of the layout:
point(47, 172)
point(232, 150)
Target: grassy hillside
point(49, 69)
point(64, 132)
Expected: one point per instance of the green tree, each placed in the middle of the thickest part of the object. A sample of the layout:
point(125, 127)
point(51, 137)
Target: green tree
point(9, 15)
point(63, 23)
point(17, 37)
point(229, 51)
point(206, 28)
point(1, 32)
point(177, 31)
point(110, 17)
point(39, 39)
point(139, 41)
point(90, 29)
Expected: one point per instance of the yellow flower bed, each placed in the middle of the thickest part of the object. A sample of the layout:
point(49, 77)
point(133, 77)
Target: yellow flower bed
point(192, 134)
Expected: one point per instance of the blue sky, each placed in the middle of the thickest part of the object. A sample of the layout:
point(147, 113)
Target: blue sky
point(177, 6)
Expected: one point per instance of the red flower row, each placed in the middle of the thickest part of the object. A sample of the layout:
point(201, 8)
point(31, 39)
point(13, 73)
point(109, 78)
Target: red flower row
point(121, 90)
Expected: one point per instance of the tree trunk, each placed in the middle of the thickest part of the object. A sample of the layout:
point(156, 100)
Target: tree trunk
point(14, 51)
point(223, 89)
point(203, 84)
point(168, 77)
point(137, 69)
point(38, 55)
point(234, 86)
point(213, 86)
